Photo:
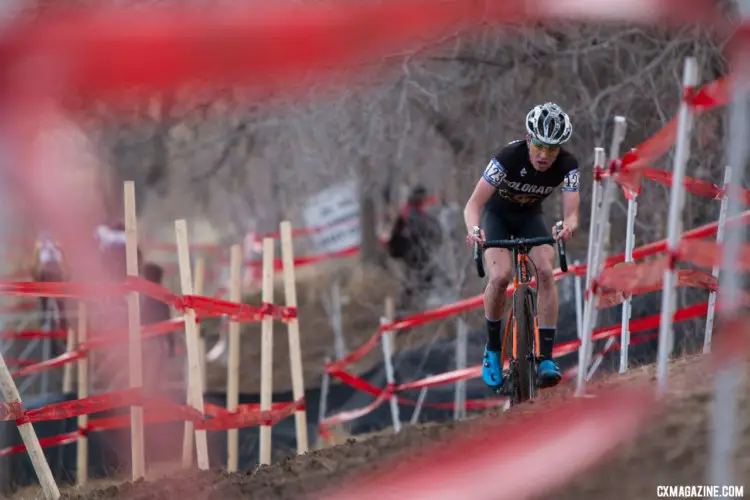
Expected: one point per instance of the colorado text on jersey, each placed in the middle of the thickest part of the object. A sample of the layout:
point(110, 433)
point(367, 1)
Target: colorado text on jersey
point(496, 175)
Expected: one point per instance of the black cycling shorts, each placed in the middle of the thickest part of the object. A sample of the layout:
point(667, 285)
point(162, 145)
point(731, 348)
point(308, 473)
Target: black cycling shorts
point(507, 224)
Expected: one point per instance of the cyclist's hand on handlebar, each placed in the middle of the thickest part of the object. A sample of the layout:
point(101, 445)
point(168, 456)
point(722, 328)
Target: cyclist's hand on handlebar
point(562, 233)
point(472, 238)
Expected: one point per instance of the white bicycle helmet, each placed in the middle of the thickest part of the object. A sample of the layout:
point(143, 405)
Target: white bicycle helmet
point(549, 124)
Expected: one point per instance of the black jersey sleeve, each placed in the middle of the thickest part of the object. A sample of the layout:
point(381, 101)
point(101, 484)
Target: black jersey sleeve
point(571, 180)
point(498, 167)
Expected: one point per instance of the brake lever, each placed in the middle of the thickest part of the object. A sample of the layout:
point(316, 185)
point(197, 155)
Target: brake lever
point(561, 248)
point(478, 253)
point(558, 227)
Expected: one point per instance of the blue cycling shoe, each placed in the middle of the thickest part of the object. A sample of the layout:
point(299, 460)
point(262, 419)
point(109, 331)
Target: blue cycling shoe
point(548, 373)
point(492, 370)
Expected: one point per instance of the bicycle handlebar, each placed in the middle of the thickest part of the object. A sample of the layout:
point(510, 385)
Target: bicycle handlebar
point(521, 243)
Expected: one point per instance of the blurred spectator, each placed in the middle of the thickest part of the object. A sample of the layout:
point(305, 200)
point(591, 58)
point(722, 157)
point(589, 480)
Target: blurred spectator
point(415, 239)
point(111, 239)
point(49, 266)
point(156, 349)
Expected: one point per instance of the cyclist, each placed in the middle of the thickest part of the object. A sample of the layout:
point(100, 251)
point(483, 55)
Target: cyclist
point(508, 199)
point(49, 266)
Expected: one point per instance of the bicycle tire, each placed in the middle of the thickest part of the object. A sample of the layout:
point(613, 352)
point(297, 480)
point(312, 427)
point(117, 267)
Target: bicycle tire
point(525, 376)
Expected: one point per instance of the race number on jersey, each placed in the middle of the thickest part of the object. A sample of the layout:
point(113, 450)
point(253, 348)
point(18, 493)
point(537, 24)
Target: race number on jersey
point(570, 182)
point(494, 173)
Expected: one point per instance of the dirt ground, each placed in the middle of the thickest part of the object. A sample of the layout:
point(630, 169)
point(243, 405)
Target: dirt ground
point(671, 449)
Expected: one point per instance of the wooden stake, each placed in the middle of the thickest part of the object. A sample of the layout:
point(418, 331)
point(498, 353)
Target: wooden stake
point(195, 389)
point(295, 351)
point(135, 358)
point(233, 367)
point(29, 437)
point(266, 351)
point(82, 445)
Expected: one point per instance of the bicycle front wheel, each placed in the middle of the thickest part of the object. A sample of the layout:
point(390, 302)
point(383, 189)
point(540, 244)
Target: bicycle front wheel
point(523, 312)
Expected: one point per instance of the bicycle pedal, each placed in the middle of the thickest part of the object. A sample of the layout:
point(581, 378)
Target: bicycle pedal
point(507, 388)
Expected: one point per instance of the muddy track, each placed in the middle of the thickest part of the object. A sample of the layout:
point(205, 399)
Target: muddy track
point(671, 449)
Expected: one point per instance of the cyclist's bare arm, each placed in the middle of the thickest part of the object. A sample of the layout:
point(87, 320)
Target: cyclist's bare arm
point(483, 191)
point(571, 204)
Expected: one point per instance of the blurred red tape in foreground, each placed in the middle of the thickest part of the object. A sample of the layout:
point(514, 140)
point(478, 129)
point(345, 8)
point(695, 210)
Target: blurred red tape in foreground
point(584, 431)
point(162, 47)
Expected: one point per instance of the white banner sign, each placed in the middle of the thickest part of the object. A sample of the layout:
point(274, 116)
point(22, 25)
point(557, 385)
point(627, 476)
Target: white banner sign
point(336, 211)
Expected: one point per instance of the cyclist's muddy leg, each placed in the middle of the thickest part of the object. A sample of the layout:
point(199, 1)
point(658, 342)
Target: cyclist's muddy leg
point(543, 258)
point(499, 268)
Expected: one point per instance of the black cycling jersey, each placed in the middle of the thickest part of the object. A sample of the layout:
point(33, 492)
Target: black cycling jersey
point(519, 186)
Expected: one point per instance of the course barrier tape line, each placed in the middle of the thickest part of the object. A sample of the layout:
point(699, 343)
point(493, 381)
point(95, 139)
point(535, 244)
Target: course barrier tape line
point(26, 305)
point(642, 252)
point(34, 334)
point(691, 278)
point(734, 344)
point(685, 278)
point(56, 362)
point(658, 247)
point(70, 409)
point(156, 411)
point(251, 418)
point(204, 306)
point(101, 340)
point(349, 415)
point(62, 439)
point(307, 260)
point(217, 411)
point(421, 319)
point(631, 168)
point(636, 326)
point(695, 186)
point(647, 275)
point(628, 170)
point(446, 378)
point(62, 289)
point(152, 330)
point(11, 411)
point(442, 379)
point(388, 392)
